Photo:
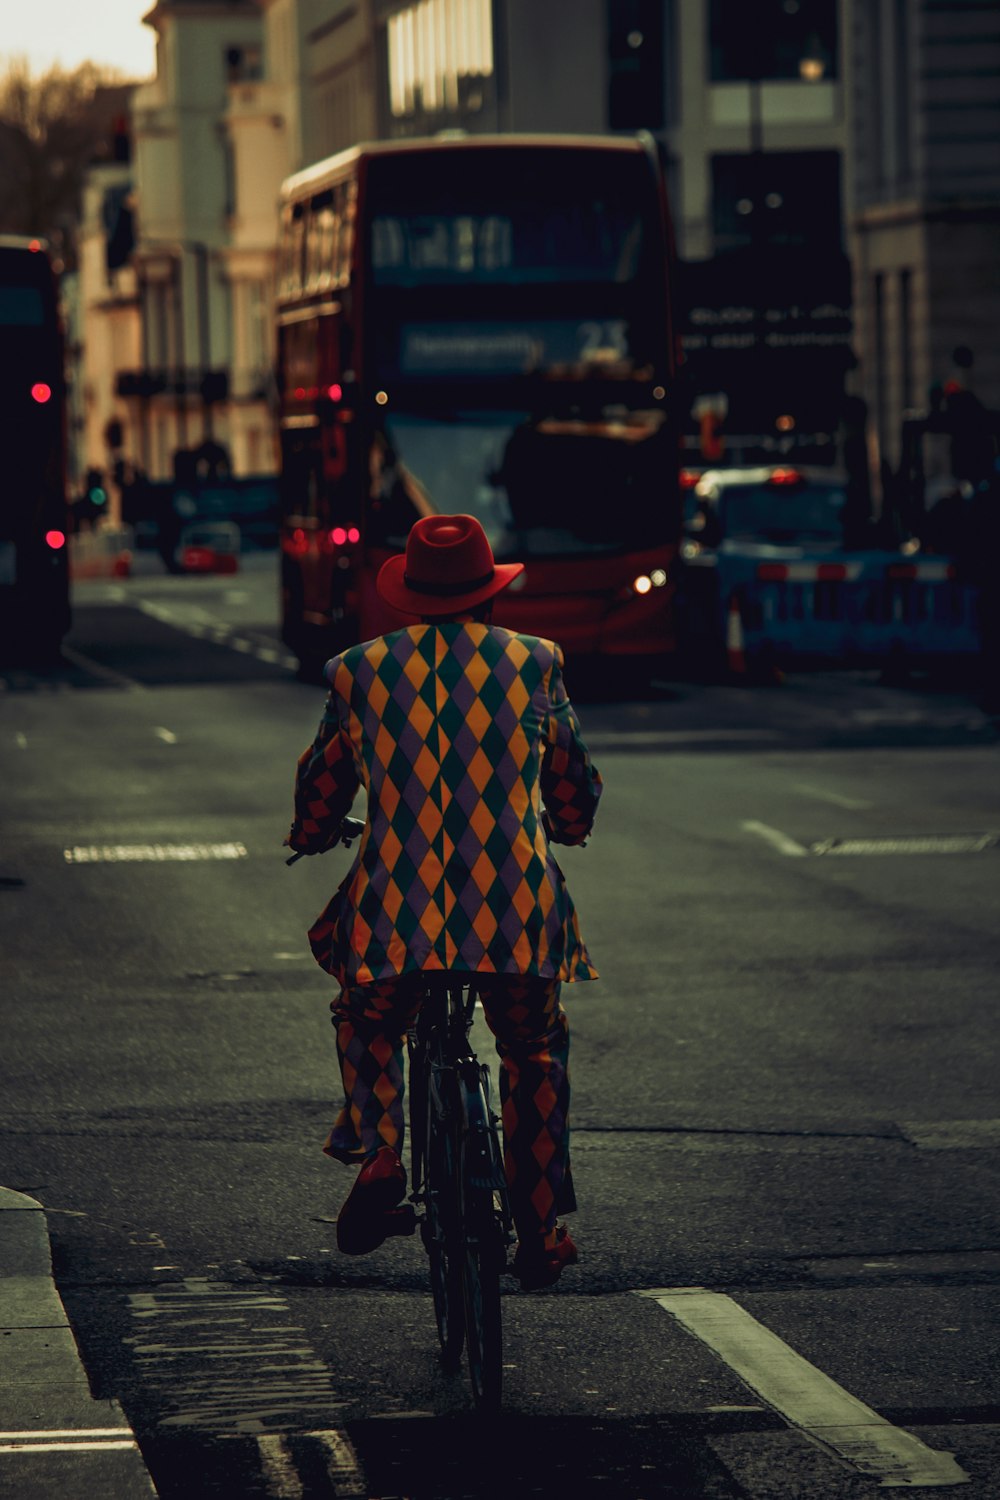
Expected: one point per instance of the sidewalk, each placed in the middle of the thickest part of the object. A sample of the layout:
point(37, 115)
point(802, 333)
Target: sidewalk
point(55, 1439)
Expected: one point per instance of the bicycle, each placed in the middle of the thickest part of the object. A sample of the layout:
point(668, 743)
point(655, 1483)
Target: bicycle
point(458, 1187)
point(458, 1181)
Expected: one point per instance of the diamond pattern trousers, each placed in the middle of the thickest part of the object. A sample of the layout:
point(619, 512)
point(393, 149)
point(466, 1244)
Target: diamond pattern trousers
point(532, 1036)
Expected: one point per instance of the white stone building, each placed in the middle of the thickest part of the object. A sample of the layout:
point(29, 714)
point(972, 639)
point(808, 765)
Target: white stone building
point(209, 144)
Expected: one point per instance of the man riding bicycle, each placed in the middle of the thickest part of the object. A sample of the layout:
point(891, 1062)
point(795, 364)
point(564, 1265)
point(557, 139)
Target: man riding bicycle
point(462, 734)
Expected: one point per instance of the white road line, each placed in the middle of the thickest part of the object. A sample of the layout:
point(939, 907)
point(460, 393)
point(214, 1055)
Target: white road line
point(952, 1135)
point(804, 1396)
point(774, 837)
point(97, 669)
point(613, 738)
point(31, 1433)
point(221, 634)
point(946, 843)
point(69, 1440)
point(93, 854)
point(283, 1482)
point(86, 1447)
point(343, 1466)
point(855, 804)
point(166, 735)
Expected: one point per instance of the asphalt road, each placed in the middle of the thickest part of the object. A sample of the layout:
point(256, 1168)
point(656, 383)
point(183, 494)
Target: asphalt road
point(785, 1088)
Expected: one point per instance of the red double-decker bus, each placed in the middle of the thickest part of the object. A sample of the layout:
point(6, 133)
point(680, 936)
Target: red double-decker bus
point(34, 524)
point(481, 325)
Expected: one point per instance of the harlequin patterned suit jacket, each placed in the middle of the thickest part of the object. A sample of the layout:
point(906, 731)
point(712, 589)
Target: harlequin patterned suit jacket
point(460, 734)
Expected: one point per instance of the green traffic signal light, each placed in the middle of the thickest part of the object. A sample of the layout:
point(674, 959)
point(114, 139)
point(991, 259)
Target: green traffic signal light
point(97, 495)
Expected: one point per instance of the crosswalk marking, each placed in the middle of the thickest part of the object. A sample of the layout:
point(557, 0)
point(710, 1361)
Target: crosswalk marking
point(279, 1471)
point(342, 1464)
point(804, 1396)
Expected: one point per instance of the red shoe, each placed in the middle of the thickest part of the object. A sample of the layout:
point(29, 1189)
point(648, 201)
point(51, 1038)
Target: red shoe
point(370, 1214)
point(537, 1265)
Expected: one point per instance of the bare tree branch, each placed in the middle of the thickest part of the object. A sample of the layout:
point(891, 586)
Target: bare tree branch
point(53, 126)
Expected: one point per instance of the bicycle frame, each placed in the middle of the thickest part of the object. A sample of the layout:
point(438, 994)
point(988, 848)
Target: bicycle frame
point(458, 1182)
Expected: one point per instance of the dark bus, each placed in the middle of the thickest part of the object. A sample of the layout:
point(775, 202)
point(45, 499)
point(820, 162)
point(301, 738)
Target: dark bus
point(482, 325)
point(34, 517)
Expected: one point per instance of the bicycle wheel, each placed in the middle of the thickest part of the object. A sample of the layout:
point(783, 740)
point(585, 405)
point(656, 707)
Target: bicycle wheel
point(441, 1228)
point(483, 1321)
point(484, 1246)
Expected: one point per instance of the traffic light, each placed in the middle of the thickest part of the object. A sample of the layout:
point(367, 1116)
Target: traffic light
point(635, 64)
point(96, 494)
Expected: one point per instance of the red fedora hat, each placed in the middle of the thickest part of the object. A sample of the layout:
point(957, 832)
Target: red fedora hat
point(448, 567)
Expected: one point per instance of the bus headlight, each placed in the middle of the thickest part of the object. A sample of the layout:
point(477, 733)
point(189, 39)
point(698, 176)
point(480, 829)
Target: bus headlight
point(656, 578)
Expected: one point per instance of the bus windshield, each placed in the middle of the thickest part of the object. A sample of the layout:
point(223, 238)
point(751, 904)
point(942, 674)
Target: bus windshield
point(539, 487)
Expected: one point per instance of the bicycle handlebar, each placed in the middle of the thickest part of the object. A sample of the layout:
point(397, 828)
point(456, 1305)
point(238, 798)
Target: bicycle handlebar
point(350, 829)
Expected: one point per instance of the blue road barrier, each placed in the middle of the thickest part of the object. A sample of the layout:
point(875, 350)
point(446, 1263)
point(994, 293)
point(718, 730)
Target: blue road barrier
point(864, 608)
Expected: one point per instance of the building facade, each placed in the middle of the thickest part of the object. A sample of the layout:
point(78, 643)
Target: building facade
point(924, 231)
point(202, 258)
point(832, 169)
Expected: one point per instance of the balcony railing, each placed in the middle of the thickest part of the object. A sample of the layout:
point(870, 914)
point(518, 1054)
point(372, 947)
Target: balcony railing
point(210, 386)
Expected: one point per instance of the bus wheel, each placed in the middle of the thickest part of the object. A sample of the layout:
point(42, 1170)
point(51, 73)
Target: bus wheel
point(310, 668)
point(344, 633)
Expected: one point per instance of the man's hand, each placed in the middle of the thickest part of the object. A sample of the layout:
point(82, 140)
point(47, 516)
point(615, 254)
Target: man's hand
point(345, 833)
point(554, 837)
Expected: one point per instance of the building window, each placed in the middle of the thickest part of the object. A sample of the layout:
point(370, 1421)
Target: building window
point(880, 371)
point(439, 50)
point(244, 64)
point(635, 64)
point(160, 325)
point(338, 111)
point(772, 39)
point(906, 338)
point(776, 198)
point(229, 177)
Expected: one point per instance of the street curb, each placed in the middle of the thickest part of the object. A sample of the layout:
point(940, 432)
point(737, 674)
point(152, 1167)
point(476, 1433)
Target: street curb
point(55, 1438)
